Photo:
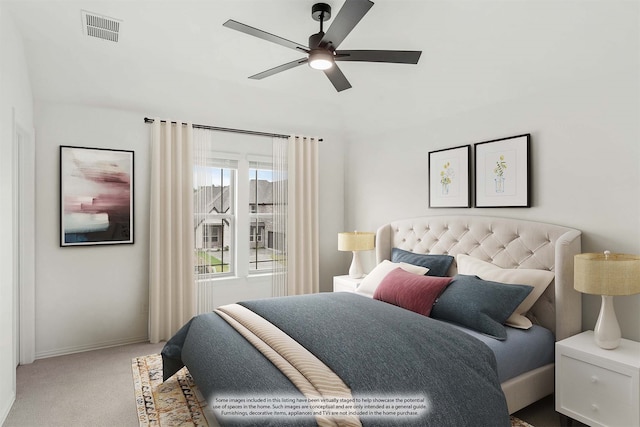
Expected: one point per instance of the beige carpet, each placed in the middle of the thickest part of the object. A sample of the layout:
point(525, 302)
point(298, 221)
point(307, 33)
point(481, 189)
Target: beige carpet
point(178, 402)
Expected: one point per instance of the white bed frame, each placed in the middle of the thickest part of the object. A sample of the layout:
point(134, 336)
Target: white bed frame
point(507, 243)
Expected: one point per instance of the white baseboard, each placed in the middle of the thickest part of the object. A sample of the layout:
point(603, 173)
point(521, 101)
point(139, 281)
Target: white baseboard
point(90, 347)
point(6, 408)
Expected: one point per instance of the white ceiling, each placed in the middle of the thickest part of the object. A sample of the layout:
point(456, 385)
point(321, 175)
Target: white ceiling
point(474, 53)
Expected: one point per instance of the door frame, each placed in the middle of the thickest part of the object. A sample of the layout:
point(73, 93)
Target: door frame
point(24, 241)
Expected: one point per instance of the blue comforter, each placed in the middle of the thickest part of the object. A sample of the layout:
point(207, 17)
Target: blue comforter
point(376, 348)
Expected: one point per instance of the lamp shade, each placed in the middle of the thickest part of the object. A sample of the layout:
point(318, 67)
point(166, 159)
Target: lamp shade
point(607, 273)
point(356, 241)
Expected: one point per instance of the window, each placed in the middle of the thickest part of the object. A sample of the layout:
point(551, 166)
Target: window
point(212, 235)
point(230, 193)
point(214, 219)
point(261, 250)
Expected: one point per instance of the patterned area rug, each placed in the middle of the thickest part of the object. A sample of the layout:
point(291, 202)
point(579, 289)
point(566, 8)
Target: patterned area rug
point(517, 422)
point(178, 402)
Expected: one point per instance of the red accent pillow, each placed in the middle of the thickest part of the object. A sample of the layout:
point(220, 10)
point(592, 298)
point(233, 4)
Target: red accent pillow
point(411, 291)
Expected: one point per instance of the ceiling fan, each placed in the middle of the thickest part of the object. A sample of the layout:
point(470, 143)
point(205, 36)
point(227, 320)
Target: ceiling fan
point(322, 53)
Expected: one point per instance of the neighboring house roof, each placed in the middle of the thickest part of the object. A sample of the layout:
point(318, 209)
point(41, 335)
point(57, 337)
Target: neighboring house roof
point(211, 199)
point(264, 190)
point(215, 199)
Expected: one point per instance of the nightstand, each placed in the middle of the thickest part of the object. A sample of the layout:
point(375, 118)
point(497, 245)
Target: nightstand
point(345, 284)
point(596, 386)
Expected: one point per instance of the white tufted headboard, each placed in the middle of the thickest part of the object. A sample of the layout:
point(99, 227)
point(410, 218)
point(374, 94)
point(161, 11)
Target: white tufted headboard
point(507, 243)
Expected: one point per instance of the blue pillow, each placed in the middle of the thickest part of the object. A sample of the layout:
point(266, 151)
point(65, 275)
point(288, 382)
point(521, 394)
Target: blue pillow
point(479, 304)
point(438, 265)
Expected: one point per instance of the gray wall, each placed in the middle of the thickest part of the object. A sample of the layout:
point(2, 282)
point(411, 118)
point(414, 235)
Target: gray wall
point(88, 296)
point(585, 140)
point(92, 297)
point(15, 102)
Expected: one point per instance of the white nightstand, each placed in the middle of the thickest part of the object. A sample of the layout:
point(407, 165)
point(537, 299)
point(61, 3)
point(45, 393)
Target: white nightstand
point(596, 386)
point(345, 284)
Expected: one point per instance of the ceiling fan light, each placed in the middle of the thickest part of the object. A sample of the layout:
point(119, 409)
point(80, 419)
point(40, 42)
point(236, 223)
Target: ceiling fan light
point(320, 64)
point(320, 59)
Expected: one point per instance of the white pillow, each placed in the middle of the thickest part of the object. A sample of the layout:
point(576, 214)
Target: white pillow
point(372, 280)
point(539, 279)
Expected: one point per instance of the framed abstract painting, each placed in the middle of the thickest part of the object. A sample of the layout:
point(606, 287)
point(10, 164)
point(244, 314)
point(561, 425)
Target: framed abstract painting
point(449, 177)
point(502, 172)
point(96, 196)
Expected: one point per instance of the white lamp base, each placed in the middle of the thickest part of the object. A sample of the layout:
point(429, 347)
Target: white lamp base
point(355, 270)
point(607, 332)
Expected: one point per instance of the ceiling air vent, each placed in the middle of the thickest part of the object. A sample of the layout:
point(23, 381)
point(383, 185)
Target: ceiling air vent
point(100, 26)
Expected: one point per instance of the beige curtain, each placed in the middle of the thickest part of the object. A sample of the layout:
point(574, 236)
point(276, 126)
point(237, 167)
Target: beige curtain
point(171, 281)
point(302, 221)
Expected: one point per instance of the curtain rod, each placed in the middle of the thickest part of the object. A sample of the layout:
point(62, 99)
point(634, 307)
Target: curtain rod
point(244, 131)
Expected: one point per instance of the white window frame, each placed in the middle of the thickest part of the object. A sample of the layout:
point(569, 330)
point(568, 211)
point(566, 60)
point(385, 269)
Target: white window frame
point(232, 162)
point(256, 162)
point(241, 216)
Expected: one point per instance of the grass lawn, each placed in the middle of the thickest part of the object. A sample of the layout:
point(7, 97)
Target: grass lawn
point(206, 259)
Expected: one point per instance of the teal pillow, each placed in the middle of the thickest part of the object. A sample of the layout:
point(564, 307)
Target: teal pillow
point(438, 265)
point(480, 305)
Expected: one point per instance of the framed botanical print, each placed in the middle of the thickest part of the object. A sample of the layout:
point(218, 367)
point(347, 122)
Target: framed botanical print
point(502, 172)
point(96, 196)
point(449, 177)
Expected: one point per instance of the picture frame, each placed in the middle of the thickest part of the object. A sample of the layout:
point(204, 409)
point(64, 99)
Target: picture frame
point(450, 177)
point(96, 196)
point(502, 172)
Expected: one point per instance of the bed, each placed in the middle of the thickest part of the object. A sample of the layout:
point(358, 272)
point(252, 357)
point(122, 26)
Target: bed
point(447, 376)
point(509, 244)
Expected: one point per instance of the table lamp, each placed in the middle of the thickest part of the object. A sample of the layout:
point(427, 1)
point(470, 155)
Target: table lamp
point(608, 275)
point(355, 242)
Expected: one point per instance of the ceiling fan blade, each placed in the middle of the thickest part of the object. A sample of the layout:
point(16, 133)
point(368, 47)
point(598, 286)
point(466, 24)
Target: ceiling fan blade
point(338, 79)
point(395, 56)
point(351, 13)
point(279, 69)
point(243, 28)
